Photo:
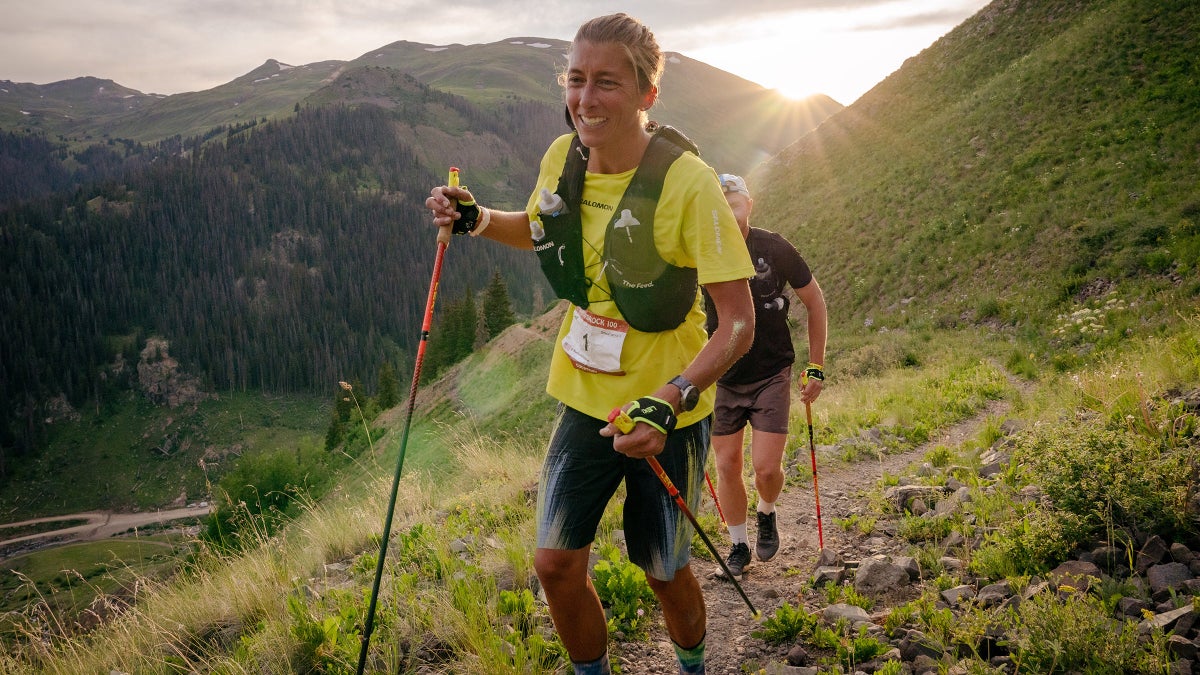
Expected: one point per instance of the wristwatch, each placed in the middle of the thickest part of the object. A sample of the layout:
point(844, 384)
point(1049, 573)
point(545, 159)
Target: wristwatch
point(689, 394)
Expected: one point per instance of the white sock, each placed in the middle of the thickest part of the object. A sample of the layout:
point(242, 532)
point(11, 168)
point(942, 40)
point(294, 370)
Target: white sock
point(766, 507)
point(737, 534)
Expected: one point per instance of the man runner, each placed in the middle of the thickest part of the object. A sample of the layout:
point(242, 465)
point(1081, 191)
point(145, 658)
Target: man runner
point(757, 388)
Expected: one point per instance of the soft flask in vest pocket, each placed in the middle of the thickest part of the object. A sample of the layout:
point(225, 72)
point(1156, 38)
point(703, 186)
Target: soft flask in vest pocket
point(560, 254)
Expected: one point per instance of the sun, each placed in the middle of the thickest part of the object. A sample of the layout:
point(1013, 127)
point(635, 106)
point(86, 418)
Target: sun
point(797, 90)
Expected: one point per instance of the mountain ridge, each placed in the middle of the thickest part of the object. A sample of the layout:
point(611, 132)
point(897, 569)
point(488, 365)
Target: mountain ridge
point(488, 74)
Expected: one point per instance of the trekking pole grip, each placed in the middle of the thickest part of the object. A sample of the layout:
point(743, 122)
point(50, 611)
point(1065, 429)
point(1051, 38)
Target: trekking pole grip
point(446, 232)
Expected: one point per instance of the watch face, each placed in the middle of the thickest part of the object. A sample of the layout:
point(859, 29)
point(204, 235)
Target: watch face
point(691, 396)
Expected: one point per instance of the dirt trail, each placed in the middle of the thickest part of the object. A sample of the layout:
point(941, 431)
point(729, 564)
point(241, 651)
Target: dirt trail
point(769, 585)
point(99, 525)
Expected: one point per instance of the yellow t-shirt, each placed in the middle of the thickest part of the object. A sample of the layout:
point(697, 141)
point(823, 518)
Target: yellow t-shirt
point(693, 227)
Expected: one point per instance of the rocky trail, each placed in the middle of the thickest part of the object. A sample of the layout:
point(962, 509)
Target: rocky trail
point(731, 648)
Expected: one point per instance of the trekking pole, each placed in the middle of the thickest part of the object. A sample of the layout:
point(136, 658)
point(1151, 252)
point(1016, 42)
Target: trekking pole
point(716, 501)
point(625, 423)
point(443, 240)
point(812, 451)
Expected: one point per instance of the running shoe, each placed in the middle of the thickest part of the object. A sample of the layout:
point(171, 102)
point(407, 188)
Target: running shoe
point(768, 537)
point(739, 557)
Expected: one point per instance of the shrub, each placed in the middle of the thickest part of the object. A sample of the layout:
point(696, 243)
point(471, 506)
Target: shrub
point(1111, 479)
point(259, 496)
point(325, 645)
point(1075, 634)
point(622, 588)
point(924, 528)
point(850, 649)
point(1036, 540)
point(835, 593)
point(786, 625)
point(940, 456)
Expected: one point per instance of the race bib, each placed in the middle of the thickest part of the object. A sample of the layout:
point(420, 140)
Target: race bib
point(594, 342)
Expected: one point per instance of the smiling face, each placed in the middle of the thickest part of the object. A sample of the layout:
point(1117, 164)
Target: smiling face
point(606, 105)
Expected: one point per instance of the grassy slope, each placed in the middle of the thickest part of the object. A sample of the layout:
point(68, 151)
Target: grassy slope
point(471, 465)
point(269, 91)
point(1037, 149)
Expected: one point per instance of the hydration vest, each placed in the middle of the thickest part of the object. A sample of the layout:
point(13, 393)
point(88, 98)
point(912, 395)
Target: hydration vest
point(652, 294)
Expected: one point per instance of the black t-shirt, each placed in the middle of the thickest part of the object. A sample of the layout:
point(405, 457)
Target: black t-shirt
point(777, 266)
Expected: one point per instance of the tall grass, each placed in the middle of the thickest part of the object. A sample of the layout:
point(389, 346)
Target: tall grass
point(236, 613)
point(900, 388)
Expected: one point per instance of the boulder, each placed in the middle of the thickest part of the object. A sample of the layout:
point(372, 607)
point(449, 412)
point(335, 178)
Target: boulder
point(1164, 620)
point(1153, 552)
point(902, 496)
point(1075, 573)
point(1168, 577)
point(852, 613)
point(958, 595)
point(877, 575)
point(828, 574)
point(994, 594)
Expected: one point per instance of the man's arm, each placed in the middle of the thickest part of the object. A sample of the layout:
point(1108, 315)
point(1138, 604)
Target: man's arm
point(818, 329)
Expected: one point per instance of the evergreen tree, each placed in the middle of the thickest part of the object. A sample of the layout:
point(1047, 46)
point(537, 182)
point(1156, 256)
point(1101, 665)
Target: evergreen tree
point(452, 338)
point(335, 433)
point(388, 394)
point(497, 307)
point(342, 405)
point(467, 329)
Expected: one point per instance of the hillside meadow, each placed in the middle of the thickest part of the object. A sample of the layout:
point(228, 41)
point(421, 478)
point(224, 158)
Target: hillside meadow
point(460, 559)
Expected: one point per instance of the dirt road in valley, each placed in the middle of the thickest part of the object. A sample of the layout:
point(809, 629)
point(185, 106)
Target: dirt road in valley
point(98, 525)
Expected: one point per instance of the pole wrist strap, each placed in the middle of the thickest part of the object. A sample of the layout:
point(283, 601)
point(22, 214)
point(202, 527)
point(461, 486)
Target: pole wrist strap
point(648, 409)
point(815, 372)
point(468, 218)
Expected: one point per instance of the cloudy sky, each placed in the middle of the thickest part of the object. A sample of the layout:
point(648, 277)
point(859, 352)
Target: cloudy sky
point(837, 47)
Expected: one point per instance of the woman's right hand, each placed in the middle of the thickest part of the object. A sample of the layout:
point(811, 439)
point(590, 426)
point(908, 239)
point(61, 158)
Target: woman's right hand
point(443, 203)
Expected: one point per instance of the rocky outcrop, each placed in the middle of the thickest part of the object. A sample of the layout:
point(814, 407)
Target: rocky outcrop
point(161, 380)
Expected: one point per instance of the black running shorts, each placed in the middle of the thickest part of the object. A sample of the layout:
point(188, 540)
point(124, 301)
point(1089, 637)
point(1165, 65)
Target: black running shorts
point(582, 472)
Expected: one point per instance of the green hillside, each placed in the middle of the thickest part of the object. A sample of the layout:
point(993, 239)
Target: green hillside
point(1031, 162)
point(77, 107)
point(270, 91)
